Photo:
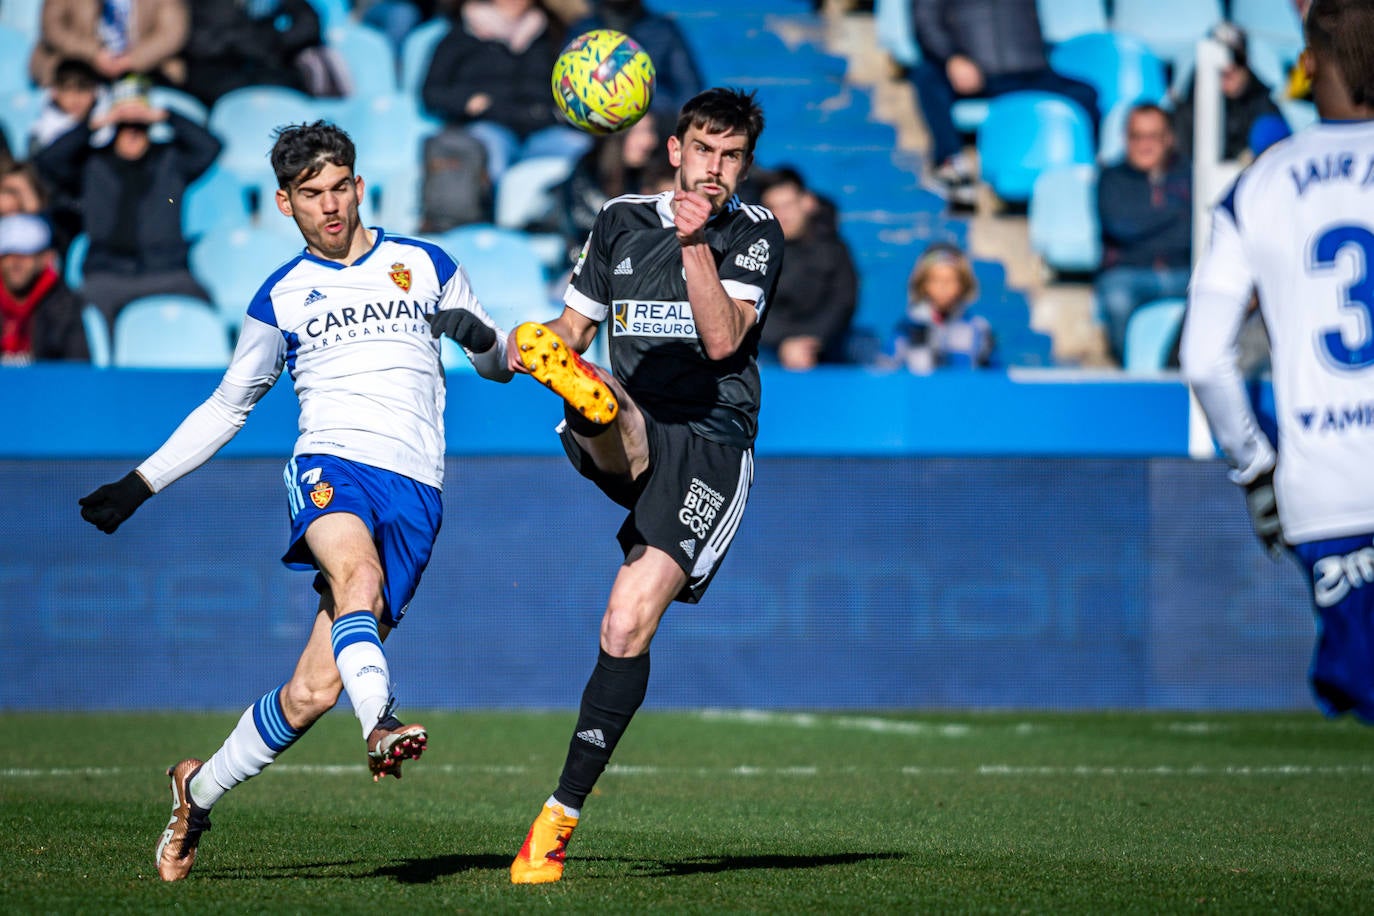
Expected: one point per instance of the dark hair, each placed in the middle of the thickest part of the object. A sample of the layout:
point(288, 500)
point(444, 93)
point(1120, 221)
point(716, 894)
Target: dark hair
point(720, 111)
point(301, 151)
point(74, 70)
point(1151, 108)
point(778, 177)
point(1341, 30)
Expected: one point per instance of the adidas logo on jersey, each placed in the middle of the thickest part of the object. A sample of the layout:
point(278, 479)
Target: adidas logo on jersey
point(593, 736)
point(315, 296)
point(624, 268)
point(689, 547)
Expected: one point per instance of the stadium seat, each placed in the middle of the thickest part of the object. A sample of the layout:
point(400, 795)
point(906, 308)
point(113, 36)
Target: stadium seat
point(368, 55)
point(1025, 347)
point(183, 103)
point(18, 109)
point(74, 264)
point(97, 335)
point(417, 51)
point(1026, 133)
point(1119, 67)
point(332, 13)
point(525, 192)
point(14, 59)
point(1111, 135)
point(1150, 335)
point(245, 120)
point(390, 132)
point(1170, 28)
point(232, 262)
point(990, 275)
point(1275, 21)
point(25, 16)
point(1061, 20)
point(505, 271)
point(169, 332)
point(1062, 219)
point(214, 199)
point(892, 21)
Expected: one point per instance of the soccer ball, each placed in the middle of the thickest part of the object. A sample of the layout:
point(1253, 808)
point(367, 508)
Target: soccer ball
point(603, 81)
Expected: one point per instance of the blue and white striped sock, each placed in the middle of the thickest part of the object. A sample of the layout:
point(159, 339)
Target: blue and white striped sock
point(261, 734)
point(362, 665)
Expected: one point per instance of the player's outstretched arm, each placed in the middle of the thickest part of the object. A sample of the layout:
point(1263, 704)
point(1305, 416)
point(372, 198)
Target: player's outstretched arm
point(107, 507)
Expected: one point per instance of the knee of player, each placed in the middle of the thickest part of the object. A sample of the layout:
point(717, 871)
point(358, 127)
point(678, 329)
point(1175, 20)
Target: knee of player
point(305, 699)
point(628, 631)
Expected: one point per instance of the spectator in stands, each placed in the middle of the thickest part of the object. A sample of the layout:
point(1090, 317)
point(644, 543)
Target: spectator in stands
point(130, 192)
point(677, 76)
point(489, 77)
point(937, 331)
point(115, 39)
point(238, 43)
point(22, 190)
point(613, 166)
point(1145, 209)
point(979, 49)
point(393, 18)
point(818, 289)
point(1245, 100)
point(40, 318)
point(70, 99)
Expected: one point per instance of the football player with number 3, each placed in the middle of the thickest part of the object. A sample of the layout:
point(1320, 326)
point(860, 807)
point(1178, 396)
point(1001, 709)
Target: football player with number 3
point(355, 317)
point(682, 280)
point(1297, 227)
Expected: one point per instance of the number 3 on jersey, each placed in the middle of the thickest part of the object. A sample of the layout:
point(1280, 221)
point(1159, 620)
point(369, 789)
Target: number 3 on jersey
point(1359, 295)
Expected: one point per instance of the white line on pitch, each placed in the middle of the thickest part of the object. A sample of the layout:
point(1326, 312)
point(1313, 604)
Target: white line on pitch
point(855, 723)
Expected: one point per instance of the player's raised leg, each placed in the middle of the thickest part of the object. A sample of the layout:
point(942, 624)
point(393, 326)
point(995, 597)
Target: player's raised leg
point(547, 357)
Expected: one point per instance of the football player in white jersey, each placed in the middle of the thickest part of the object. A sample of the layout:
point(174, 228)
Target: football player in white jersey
point(1297, 228)
point(354, 318)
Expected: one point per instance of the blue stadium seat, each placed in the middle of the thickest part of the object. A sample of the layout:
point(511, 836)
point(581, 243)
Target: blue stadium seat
point(892, 20)
point(183, 103)
point(74, 264)
point(245, 119)
point(390, 132)
point(168, 332)
point(1171, 28)
point(24, 16)
point(525, 192)
point(1150, 335)
point(214, 199)
point(1026, 348)
point(14, 59)
point(232, 262)
point(97, 335)
point(1008, 312)
point(990, 275)
point(18, 109)
point(1026, 133)
point(417, 51)
point(1061, 20)
point(369, 56)
point(332, 13)
point(1119, 67)
point(1111, 135)
point(1274, 21)
point(505, 271)
point(1062, 219)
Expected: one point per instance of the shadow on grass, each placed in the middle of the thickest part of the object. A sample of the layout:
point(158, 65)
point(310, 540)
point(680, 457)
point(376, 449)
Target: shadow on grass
point(423, 871)
point(709, 864)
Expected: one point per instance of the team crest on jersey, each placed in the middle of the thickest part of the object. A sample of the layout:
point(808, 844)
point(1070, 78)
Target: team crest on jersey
point(322, 494)
point(400, 275)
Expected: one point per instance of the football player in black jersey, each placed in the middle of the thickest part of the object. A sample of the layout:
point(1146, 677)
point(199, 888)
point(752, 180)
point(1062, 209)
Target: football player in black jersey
point(682, 280)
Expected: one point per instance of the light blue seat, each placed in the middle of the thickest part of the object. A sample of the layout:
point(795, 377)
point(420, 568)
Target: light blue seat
point(183, 103)
point(332, 13)
point(1170, 28)
point(505, 272)
point(1274, 21)
point(525, 192)
point(1119, 67)
point(97, 335)
point(1150, 335)
point(74, 263)
point(214, 199)
point(1111, 135)
point(18, 109)
point(170, 332)
point(1061, 20)
point(25, 16)
point(390, 131)
point(245, 121)
point(1026, 133)
point(369, 56)
point(1062, 219)
point(14, 59)
point(417, 51)
point(232, 262)
point(892, 21)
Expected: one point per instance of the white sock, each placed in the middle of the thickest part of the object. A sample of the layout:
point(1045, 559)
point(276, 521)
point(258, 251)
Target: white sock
point(570, 812)
point(261, 734)
point(362, 665)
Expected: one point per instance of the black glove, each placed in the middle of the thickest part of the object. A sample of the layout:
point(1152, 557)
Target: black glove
point(1264, 514)
point(465, 327)
point(110, 505)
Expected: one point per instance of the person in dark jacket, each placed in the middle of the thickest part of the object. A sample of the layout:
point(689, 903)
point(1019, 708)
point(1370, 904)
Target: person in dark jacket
point(1145, 209)
point(490, 76)
point(1245, 99)
point(676, 75)
point(130, 195)
point(237, 43)
point(40, 318)
point(979, 49)
point(818, 291)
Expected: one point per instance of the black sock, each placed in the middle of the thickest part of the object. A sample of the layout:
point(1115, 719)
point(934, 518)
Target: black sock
point(614, 692)
point(581, 425)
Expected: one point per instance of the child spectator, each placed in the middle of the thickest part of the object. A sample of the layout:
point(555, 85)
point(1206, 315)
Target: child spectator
point(69, 101)
point(937, 332)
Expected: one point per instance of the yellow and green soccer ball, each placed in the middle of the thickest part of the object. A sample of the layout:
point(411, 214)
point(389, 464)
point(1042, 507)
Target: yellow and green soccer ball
point(603, 81)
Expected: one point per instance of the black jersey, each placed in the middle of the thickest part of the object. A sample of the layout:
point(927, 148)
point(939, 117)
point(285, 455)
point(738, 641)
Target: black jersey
point(631, 271)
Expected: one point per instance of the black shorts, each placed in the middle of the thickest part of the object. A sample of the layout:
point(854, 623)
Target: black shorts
point(688, 503)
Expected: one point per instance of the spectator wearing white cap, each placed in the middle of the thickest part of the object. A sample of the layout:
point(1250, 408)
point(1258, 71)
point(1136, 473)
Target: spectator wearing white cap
point(40, 318)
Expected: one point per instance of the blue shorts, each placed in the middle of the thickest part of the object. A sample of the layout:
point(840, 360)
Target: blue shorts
point(403, 515)
point(1341, 573)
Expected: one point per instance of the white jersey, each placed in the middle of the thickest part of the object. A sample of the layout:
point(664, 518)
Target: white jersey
point(1298, 228)
point(360, 352)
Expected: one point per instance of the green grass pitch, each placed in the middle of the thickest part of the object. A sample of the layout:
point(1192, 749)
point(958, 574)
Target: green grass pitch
point(715, 812)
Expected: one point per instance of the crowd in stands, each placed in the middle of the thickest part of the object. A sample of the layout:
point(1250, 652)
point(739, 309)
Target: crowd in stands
point(123, 133)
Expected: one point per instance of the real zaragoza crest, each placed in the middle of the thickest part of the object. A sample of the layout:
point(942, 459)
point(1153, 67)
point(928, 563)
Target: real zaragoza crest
point(400, 275)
